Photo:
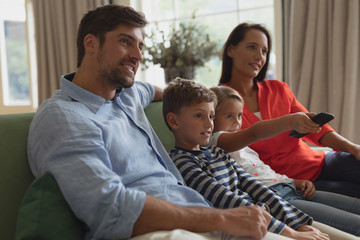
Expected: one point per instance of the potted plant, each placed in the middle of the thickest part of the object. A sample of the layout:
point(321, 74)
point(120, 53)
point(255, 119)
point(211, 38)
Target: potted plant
point(180, 51)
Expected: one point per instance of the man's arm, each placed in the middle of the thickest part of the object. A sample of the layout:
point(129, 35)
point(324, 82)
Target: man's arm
point(159, 214)
point(249, 221)
point(158, 94)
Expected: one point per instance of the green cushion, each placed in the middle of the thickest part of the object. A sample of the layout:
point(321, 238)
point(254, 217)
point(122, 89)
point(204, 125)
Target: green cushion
point(15, 174)
point(155, 116)
point(44, 213)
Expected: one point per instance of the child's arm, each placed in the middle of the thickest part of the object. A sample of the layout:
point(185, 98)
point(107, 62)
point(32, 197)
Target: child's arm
point(212, 187)
point(216, 192)
point(307, 187)
point(206, 184)
point(266, 129)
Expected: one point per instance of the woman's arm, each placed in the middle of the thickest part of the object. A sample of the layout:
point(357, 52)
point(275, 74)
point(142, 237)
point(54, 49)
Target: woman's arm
point(336, 141)
point(266, 129)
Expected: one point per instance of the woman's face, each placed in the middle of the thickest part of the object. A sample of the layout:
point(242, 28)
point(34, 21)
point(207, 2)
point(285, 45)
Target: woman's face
point(249, 55)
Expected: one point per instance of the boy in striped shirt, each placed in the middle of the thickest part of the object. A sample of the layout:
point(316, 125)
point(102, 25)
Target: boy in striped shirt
point(188, 109)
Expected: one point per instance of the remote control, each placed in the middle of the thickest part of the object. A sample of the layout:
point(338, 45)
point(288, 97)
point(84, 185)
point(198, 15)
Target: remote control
point(320, 118)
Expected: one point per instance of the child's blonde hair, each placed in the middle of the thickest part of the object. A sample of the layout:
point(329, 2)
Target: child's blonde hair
point(224, 93)
point(182, 93)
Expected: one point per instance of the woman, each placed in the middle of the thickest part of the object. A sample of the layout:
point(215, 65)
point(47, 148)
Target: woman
point(244, 67)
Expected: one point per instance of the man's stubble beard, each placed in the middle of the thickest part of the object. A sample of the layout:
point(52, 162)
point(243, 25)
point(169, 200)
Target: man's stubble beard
point(113, 76)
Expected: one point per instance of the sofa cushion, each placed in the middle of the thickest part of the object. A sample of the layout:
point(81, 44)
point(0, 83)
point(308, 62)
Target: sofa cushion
point(155, 116)
point(15, 174)
point(44, 213)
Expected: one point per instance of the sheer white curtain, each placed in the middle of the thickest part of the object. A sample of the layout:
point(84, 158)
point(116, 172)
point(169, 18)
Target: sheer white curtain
point(322, 59)
point(56, 24)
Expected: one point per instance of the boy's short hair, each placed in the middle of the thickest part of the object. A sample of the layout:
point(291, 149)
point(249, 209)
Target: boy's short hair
point(183, 93)
point(224, 93)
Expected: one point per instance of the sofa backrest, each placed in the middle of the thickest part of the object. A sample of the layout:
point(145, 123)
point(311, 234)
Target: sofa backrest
point(15, 174)
point(154, 114)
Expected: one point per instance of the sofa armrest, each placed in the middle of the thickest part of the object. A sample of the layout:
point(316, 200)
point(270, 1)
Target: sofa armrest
point(15, 174)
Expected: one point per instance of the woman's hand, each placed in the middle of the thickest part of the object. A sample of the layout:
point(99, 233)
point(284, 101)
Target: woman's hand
point(307, 187)
point(355, 150)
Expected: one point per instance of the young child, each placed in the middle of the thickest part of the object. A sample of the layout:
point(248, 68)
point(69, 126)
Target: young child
point(189, 110)
point(336, 210)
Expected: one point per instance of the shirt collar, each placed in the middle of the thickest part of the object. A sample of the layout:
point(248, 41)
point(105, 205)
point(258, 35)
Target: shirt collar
point(92, 101)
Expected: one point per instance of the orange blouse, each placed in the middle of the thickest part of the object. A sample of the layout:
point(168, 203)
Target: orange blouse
point(286, 155)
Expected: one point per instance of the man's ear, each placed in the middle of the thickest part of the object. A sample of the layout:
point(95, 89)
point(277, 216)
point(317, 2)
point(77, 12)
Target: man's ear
point(171, 119)
point(90, 43)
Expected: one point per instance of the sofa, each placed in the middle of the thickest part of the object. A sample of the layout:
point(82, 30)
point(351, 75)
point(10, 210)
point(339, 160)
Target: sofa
point(34, 208)
point(17, 184)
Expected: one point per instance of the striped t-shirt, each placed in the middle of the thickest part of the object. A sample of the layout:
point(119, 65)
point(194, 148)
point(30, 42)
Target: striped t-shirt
point(215, 175)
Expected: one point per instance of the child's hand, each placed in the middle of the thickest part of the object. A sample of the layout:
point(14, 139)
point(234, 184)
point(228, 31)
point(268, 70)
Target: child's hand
point(306, 187)
point(304, 232)
point(316, 233)
point(301, 123)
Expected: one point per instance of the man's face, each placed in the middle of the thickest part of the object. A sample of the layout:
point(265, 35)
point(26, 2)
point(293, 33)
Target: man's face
point(120, 55)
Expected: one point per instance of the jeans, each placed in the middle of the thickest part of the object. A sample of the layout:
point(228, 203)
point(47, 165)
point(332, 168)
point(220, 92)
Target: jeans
point(340, 174)
point(339, 211)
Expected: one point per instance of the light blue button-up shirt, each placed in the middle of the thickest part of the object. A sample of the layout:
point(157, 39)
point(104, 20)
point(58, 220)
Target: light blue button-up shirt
point(105, 157)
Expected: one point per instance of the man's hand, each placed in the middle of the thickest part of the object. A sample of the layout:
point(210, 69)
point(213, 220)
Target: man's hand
point(158, 214)
point(158, 94)
point(253, 220)
point(307, 187)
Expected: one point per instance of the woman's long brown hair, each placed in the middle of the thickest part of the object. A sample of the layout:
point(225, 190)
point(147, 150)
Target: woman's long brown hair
point(236, 36)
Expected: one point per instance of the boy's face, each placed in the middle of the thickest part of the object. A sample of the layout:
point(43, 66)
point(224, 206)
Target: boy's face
point(194, 125)
point(229, 117)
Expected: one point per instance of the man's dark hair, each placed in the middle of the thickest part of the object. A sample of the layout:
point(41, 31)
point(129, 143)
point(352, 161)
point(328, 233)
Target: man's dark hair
point(105, 19)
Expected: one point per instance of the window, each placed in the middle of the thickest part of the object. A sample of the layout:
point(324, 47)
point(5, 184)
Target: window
point(220, 17)
point(17, 83)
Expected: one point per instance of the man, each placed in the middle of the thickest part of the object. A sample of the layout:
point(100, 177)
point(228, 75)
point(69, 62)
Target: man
point(94, 138)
